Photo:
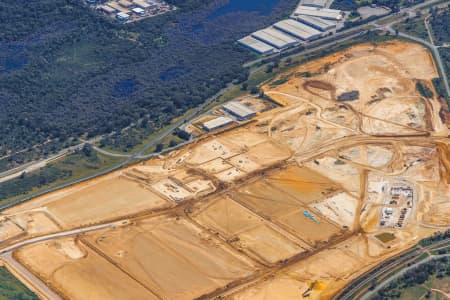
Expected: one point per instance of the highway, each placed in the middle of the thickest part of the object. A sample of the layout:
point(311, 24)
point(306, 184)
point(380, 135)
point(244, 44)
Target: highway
point(348, 294)
point(402, 272)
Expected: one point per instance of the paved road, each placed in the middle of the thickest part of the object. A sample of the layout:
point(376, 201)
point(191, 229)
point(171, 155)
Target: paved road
point(29, 277)
point(402, 272)
point(348, 294)
point(6, 255)
point(36, 165)
point(55, 236)
point(437, 57)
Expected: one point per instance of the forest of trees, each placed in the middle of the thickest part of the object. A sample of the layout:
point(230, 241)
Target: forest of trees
point(66, 71)
point(12, 289)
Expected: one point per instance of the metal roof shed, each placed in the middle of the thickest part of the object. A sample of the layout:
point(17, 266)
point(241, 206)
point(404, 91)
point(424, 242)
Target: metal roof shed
point(257, 45)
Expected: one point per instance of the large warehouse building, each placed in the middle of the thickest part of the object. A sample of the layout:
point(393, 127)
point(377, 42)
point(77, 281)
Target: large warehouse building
point(275, 38)
point(331, 14)
point(315, 3)
point(317, 23)
point(298, 29)
point(257, 45)
point(217, 123)
point(239, 110)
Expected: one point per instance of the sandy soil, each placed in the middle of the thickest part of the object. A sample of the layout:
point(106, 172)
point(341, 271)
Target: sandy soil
point(248, 231)
point(172, 257)
point(86, 277)
point(113, 198)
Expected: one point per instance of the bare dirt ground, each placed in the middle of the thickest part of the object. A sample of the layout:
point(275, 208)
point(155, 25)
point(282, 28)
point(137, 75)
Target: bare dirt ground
point(286, 207)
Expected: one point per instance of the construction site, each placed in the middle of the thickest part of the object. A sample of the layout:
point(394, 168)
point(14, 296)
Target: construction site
point(312, 193)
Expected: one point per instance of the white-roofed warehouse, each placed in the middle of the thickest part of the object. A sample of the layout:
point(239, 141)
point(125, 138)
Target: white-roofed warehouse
point(298, 29)
point(315, 3)
point(318, 23)
point(217, 123)
point(239, 110)
point(257, 45)
point(275, 38)
point(331, 14)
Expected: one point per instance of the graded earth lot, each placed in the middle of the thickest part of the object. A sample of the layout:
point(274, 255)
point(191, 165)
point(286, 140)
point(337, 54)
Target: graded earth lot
point(353, 168)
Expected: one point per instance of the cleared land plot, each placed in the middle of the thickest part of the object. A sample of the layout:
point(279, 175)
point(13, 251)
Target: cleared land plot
point(338, 171)
point(248, 231)
point(230, 175)
point(322, 272)
point(266, 199)
point(227, 217)
point(269, 244)
point(172, 257)
point(308, 230)
point(209, 150)
point(9, 229)
point(305, 185)
point(172, 190)
point(340, 209)
point(215, 166)
point(244, 162)
point(268, 153)
point(282, 197)
point(371, 155)
point(243, 138)
point(107, 199)
point(87, 277)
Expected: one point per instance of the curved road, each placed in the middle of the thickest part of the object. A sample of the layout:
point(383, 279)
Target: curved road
point(348, 294)
point(402, 272)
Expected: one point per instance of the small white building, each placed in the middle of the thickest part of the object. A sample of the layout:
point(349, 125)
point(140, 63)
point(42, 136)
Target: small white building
point(122, 16)
point(139, 11)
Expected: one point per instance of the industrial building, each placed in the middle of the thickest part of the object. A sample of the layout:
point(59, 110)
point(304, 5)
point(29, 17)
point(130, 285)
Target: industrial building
point(317, 23)
point(217, 123)
point(297, 29)
point(239, 110)
point(325, 13)
point(139, 11)
point(257, 45)
point(315, 3)
point(121, 16)
point(118, 7)
point(107, 9)
point(275, 38)
point(125, 3)
point(141, 4)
